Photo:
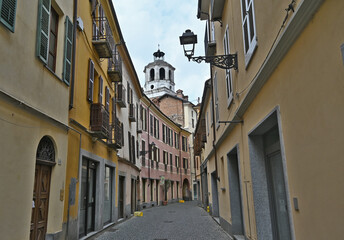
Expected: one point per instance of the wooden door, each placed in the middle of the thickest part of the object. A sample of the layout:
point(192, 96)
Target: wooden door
point(40, 204)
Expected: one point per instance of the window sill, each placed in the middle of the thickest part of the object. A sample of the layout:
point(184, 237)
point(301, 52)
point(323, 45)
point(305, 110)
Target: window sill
point(52, 72)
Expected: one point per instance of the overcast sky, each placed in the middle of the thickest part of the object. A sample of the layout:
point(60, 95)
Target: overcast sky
point(147, 23)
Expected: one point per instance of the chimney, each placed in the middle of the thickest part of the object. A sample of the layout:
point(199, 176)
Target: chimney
point(180, 93)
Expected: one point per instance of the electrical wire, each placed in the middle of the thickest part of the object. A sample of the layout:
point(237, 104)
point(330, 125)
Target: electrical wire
point(290, 8)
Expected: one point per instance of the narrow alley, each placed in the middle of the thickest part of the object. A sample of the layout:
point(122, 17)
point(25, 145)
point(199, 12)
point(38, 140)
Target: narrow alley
point(174, 221)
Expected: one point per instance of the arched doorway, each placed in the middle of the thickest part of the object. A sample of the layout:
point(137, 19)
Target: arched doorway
point(186, 190)
point(45, 159)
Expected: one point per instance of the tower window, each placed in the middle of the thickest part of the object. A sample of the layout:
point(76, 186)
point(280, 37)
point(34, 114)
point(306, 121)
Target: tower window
point(170, 75)
point(162, 73)
point(152, 74)
point(152, 86)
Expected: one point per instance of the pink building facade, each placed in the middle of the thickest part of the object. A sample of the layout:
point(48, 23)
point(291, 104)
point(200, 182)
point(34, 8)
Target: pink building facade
point(165, 158)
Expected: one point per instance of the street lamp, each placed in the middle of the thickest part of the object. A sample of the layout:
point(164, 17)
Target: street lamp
point(150, 149)
point(189, 39)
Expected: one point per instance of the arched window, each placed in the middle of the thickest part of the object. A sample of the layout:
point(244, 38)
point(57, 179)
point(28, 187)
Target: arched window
point(46, 150)
point(170, 75)
point(162, 73)
point(152, 73)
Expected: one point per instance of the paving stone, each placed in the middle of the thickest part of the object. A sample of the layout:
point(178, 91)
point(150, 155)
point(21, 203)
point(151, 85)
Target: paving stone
point(184, 221)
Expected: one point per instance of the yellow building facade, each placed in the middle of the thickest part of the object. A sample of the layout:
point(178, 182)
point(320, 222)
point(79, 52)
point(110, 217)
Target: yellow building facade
point(101, 171)
point(271, 156)
point(34, 92)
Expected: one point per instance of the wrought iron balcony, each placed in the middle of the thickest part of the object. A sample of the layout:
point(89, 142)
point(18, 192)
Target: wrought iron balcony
point(132, 112)
point(99, 121)
point(209, 46)
point(120, 95)
point(102, 38)
point(116, 134)
point(115, 66)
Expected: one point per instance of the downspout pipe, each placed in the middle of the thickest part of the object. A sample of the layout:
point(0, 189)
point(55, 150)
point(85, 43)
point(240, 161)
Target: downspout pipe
point(214, 126)
point(71, 94)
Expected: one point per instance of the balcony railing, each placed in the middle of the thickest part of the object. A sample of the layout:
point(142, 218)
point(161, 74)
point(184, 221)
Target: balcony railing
point(115, 66)
point(102, 38)
point(116, 134)
point(132, 112)
point(99, 121)
point(120, 95)
point(209, 46)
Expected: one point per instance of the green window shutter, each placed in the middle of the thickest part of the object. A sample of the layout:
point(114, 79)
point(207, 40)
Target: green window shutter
point(43, 26)
point(67, 60)
point(8, 13)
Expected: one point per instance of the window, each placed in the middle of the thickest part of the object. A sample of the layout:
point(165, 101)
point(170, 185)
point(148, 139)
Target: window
point(151, 125)
point(163, 133)
point(165, 157)
point(249, 29)
point(171, 159)
point(176, 140)
point(54, 19)
point(184, 144)
point(143, 154)
point(8, 13)
point(185, 163)
point(151, 74)
point(100, 96)
point(217, 113)
point(228, 72)
point(107, 99)
point(47, 28)
point(144, 118)
point(207, 124)
point(162, 73)
point(156, 128)
point(177, 161)
point(193, 123)
point(90, 81)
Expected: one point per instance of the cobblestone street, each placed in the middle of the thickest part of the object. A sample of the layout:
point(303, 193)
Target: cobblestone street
point(174, 221)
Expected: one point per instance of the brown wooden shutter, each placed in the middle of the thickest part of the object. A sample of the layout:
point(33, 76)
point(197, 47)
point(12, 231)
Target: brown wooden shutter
point(100, 96)
point(107, 98)
point(90, 81)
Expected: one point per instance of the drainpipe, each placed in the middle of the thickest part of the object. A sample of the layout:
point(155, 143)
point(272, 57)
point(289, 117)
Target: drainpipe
point(180, 163)
point(75, 16)
point(214, 126)
point(148, 131)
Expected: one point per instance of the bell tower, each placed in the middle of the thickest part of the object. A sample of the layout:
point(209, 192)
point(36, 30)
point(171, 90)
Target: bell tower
point(159, 76)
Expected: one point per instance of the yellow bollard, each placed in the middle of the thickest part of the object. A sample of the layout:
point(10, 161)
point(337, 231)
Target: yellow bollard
point(138, 214)
point(181, 201)
point(207, 208)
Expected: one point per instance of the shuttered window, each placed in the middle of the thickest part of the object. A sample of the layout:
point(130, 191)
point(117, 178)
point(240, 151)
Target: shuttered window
point(226, 48)
point(67, 60)
point(107, 98)
point(100, 95)
point(249, 28)
point(8, 13)
point(90, 81)
point(43, 24)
